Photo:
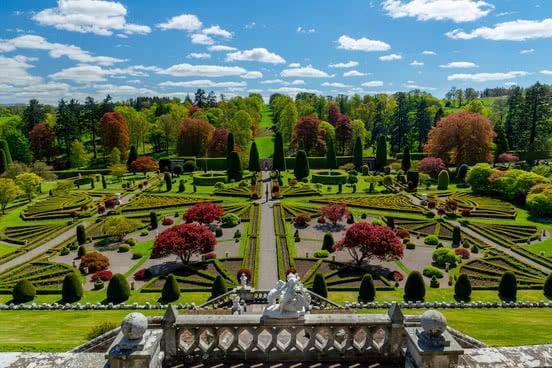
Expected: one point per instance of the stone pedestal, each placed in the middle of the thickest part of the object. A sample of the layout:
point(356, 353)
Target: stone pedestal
point(431, 346)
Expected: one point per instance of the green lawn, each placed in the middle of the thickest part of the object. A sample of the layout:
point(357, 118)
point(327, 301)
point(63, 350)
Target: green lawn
point(497, 327)
point(5, 249)
point(266, 117)
point(265, 145)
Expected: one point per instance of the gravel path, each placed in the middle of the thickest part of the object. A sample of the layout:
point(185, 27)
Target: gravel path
point(268, 264)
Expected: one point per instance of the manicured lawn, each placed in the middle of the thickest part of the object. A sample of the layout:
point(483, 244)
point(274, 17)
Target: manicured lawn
point(498, 327)
point(53, 330)
point(5, 249)
point(266, 118)
point(545, 246)
point(265, 145)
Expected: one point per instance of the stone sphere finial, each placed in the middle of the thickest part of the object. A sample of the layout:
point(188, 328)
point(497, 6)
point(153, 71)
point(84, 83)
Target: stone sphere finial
point(433, 322)
point(134, 326)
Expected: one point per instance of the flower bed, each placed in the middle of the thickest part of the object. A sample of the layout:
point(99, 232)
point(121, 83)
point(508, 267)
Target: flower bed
point(58, 207)
point(150, 202)
point(395, 202)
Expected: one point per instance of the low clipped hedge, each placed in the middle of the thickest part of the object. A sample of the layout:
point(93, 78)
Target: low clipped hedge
point(431, 271)
point(205, 179)
point(323, 177)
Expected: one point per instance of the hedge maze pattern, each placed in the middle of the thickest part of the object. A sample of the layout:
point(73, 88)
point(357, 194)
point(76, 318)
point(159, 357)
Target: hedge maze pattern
point(397, 202)
point(57, 207)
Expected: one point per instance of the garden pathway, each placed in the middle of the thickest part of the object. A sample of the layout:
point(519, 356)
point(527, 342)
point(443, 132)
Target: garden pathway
point(268, 255)
point(492, 243)
point(44, 247)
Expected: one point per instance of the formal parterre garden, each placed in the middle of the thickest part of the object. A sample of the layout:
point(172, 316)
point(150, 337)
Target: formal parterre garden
point(442, 234)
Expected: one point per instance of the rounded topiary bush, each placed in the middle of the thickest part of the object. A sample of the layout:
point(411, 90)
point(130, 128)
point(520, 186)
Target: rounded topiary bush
point(414, 289)
point(547, 288)
point(319, 285)
point(118, 290)
point(230, 220)
point(219, 287)
point(431, 240)
point(64, 251)
point(507, 289)
point(23, 292)
point(367, 289)
point(462, 288)
point(328, 242)
point(321, 253)
point(123, 248)
point(410, 245)
point(443, 255)
point(443, 180)
point(71, 291)
point(171, 290)
point(81, 251)
point(431, 271)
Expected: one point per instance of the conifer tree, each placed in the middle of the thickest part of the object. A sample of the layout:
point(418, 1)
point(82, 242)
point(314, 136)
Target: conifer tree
point(357, 153)
point(278, 159)
point(301, 165)
point(254, 164)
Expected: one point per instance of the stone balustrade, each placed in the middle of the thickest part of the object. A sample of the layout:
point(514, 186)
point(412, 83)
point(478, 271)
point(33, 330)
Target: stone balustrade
point(314, 337)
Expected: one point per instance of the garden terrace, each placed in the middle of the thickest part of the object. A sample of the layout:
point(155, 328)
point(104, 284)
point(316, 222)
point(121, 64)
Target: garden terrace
point(26, 234)
point(479, 206)
point(239, 191)
point(150, 202)
point(292, 209)
point(505, 235)
point(298, 191)
point(396, 202)
point(487, 272)
point(45, 276)
point(241, 210)
point(56, 207)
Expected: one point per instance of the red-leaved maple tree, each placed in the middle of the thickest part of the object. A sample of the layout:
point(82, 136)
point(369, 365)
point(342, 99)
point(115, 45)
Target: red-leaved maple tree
point(42, 141)
point(204, 213)
point(184, 240)
point(217, 144)
point(114, 133)
point(334, 212)
point(143, 164)
point(465, 136)
point(364, 241)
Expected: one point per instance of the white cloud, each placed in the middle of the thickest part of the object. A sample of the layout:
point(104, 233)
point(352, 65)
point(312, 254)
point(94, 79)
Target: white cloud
point(459, 64)
point(55, 50)
point(428, 52)
point(546, 72)
point(297, 82)
point(217, 31)
point(14, 71)
point(188, 70)
point(304, 72)
point(373, 84)
point(252, 75)
point(390, 57)
point(292, 91)
point(485, 77)
point(203, 83)
point(89, 16)
point(361, 44)
point(417, 63)
point(198, 55)
point(201, 39)
point(335, 85)
point(250, 25)
point(274, 81)
point(527, 51)
point(294, 65)
point(123, 91)
point(221, 48)
point(510, 84)
point(455, 10)
point(186, 22)
point(517, 30)
point(412, 85)
point(303, 30)
point(354, 73)
point(349, 64)
point(261, 55)
point(85, 73)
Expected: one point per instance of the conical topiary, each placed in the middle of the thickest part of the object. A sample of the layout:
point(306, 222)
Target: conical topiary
point(81, 234)
point(328, 242)
point(81, 251)
point(443, 180)
point(462, 288)
point(23, 292)
point(456, 235)
point(301, 165)
point(171, 291)
point(507, 289)
point(71, 291)
point(319, 285)
point(367, 289)
point(414, 289)
point(118, 290)
point(219, 287)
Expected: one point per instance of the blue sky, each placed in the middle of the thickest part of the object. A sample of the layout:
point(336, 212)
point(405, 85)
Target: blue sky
point(73, 48)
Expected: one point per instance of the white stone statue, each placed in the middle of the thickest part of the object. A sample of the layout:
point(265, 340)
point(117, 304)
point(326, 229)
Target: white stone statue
point(294, 301)
point(243, 280)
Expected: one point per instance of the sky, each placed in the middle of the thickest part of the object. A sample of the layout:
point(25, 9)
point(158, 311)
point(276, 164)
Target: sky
point(74, 48)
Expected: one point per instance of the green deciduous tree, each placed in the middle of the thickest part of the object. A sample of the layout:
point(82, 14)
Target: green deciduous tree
point(193, 137)
point(8, 192)
point(79, 156)
point(28, 182)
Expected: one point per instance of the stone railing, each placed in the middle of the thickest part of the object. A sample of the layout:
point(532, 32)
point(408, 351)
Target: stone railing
point(314, 337)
